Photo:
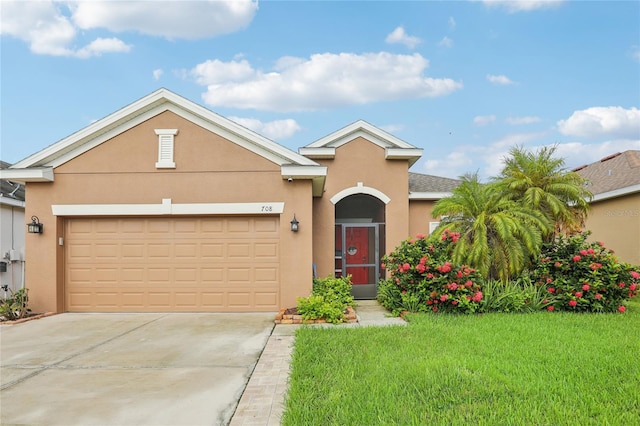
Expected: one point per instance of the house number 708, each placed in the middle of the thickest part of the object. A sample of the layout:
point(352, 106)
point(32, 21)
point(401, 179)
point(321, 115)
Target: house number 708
point(267, 208)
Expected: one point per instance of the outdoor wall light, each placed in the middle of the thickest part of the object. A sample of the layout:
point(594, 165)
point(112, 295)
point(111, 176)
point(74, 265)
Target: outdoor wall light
point(35, 227)
point(294, 224)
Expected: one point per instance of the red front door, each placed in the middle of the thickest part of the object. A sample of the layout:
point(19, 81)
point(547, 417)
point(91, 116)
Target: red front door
point(358, 254)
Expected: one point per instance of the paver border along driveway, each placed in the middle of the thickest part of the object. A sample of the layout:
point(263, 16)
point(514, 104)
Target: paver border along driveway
point(128, 369)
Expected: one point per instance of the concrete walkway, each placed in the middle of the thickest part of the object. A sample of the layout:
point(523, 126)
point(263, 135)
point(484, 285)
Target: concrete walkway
point(262, 402)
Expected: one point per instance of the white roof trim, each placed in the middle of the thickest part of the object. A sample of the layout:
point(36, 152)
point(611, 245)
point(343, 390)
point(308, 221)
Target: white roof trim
point(616, 193)
point(41, 174)
point(149, 106)
point(357, 129)
point(8, 201)
point(167, 208)
point(428, 195)
point(360, 189)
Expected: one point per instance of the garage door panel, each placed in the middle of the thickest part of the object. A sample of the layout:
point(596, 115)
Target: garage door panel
point(158, 264)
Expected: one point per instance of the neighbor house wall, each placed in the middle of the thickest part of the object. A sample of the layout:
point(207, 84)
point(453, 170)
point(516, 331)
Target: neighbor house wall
point(616, 223)
point(209, 169)
point(12, 235)
point(360, 161)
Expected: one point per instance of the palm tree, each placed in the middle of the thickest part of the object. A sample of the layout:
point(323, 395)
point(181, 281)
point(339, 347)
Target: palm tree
point(498, 236)
point(539, 181)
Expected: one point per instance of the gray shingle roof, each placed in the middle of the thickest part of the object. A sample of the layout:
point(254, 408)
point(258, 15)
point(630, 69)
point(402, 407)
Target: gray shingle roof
point(616, 171)
point(429, 183)
point(10, 189)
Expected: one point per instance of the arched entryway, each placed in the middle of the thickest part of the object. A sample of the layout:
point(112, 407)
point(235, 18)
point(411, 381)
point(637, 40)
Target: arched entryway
point(360, 242)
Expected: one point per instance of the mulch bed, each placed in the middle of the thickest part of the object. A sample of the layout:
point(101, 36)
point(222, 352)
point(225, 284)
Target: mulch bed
point(291, 316)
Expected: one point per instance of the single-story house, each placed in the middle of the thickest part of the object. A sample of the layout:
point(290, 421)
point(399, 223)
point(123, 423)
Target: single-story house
point(166, 206)
point(614, 216)
point(12, 230)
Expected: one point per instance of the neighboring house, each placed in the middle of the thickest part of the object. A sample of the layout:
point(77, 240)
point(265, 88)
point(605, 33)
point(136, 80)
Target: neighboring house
point(12, 233)
point(614, 216)
point(167, 206)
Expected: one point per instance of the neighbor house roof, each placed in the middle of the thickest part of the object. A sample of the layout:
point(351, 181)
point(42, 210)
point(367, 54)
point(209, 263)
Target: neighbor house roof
point(429, 187)
point(613, 176)
point(11, 193)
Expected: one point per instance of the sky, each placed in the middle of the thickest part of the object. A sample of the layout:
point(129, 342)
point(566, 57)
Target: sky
point(466, 81)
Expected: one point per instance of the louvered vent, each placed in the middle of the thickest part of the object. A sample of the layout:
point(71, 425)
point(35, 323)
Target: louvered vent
point(165, 148)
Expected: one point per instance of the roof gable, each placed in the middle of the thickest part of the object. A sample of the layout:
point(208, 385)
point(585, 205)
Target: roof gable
point(151, 105)
point(395, 149)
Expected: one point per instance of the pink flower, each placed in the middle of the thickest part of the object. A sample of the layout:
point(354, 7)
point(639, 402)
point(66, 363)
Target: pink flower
point(622, 285)
point(578, 294)
point(406, 267)
point(444, 298)
point(572, 303)
point(429, 302)
point(444, 268)
point(420, 268)
point(468, 284)
point(434, 309)
point(633, 287)
point(635, 275)
point(600, 243)
point(557, 264)
point(420, 236)
point(459, 274)
point(595, 266)
point(454, 302)
point(549, 280)
point(423, 260)
point(452, 286)
point(550, 308)
point(551, 290)
point(430, 275)
point(590, 250)
point(621, 309)
point(583, 252)
point(586, 287)
point(576, 258)
point(598, 296)
point(477, 297)
point(383, 266)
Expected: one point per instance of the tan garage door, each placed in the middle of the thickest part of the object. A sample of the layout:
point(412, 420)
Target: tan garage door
point(205, 264)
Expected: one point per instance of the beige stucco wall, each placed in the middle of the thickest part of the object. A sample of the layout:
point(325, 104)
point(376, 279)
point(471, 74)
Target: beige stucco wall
point(420, 216)
point(209, 169)
point(360, 161)
point(616, 222)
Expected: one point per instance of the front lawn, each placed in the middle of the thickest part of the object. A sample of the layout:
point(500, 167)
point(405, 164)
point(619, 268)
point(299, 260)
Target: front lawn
point(519, 369)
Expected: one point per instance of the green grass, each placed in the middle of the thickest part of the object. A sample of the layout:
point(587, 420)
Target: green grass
point(491, 369)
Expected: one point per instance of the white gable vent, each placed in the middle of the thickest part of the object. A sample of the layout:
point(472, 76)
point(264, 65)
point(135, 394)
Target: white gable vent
point(165, 148)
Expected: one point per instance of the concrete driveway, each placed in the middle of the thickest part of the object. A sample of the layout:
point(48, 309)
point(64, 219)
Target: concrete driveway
point(128, 369)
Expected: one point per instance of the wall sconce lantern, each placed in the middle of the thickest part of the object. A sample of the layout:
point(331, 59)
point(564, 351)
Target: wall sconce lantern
point(35, 227)
point(294, 224)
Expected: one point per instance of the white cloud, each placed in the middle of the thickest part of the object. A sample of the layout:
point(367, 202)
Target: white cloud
point(514, 6)
point(445, 42)
point(276, 130)
point(452, 23)
point(613, 121)
point(483, 120)
point(501, 80)
point(399, 36)
point(322, 81)
point(52, 27)
point(515, 121)
point(103, 45)
point(635, 53)
point(157, 73)
point(392, 128)
point(170, 19)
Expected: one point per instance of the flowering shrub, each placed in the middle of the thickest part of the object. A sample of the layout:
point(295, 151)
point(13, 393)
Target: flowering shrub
point(422, 278)
point(584, 277)
point(329, 298)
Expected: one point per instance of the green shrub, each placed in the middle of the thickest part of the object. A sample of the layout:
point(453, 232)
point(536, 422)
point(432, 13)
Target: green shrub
point(425, 279)
point(329, 299)
point(15, 305)
point(584, 277)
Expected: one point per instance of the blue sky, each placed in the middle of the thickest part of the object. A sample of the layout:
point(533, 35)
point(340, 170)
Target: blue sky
point(464, 80)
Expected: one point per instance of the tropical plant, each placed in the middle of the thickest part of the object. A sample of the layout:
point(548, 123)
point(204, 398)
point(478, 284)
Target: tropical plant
point(329, 299)
point(584, 276)
point(423, 278)
point(14, 305)
point(498, 236)
point(540, 182)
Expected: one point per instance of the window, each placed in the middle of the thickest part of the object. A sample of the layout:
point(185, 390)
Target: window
point(165, 148)
point(433, 226)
